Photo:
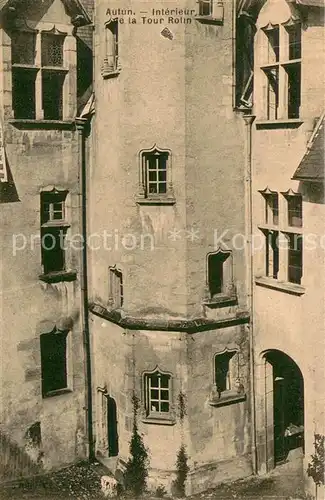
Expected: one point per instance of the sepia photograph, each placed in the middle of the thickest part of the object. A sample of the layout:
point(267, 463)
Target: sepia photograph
point(162, 249)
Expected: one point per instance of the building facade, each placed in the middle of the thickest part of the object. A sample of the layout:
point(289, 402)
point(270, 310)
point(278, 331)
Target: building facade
point(168, 275)
point(288, 221)
point(43, 391)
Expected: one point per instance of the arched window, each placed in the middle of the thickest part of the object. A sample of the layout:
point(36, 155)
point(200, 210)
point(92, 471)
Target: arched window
point(219, 273)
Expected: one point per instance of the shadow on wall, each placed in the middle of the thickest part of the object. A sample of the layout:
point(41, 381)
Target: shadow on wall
point(8, 191)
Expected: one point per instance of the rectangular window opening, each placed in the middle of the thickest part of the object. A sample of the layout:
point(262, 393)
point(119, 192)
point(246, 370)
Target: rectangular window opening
point(23, 93)
point(222, 371)
point(23, 47)
point(54, 361)
point(272, 93)
point(295, 255)
point(273, 37)
point(272, 208)
point(52, 49)
point(158, 389)
point(294, 89)
point(295, 211)
point(52, 86)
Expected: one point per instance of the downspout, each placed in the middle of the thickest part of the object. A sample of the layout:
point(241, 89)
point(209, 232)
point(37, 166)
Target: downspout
point(248, 119)
point(81, 125)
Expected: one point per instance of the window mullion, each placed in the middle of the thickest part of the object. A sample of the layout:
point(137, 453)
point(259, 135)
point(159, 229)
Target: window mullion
point(39, 112)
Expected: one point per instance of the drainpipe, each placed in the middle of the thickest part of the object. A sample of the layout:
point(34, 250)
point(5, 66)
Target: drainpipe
point(81, 125)
point(248, 119)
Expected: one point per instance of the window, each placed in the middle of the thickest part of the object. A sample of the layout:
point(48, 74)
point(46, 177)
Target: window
point(284, 246)
point(53, 231)
point(111, 56)
point(218, 276)
point(54, 362)
point(205, 7)
point(155, 175)
point(295, 258)
point(222, 371)
point(38, 71)
point(157, 394)
point(115, 287)
point(294, 210)
point(272, 253)
point(227, 386)
point(281, 66)
point(271, 207)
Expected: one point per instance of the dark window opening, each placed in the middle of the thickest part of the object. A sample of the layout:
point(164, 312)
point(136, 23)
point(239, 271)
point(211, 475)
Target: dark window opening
point(205, 7)
point(53, 249)
point(53, 361)
point(295, 255)
point(216, 272)
point(52, 84)
point(294, 89)
point(222, 371)
point(23, 93)
point(295, 211)
point(294, 36)
point(23, 47)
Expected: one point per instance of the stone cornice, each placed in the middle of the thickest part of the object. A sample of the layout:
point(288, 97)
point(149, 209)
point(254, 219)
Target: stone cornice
point(186, 325)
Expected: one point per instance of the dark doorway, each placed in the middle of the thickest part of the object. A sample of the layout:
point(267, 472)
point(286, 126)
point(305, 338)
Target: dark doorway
point(288, 405)
point(112, 433)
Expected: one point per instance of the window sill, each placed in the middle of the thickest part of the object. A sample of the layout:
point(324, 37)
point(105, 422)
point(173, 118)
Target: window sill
point(282, 123)
point(216, 18)
point(110, 73)
point(159, 420)
point(282, 286)
point(57, 392)
point(58, 276)
point(221, 301)
point(155, 201)
point(42, 124)
point(227, 398)
point(56, 224)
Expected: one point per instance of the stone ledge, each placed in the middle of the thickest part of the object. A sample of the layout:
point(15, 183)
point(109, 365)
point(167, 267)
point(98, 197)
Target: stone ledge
point(58, 276)
point(282, 286)
point(227, 399)
point(42, 124)
point(186, 325)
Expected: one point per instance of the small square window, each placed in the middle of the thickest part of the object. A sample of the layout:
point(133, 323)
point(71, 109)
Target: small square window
point(54, 362)
point(205, 7)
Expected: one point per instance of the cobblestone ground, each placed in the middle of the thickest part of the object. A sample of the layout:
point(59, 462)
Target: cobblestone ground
point(82, 482)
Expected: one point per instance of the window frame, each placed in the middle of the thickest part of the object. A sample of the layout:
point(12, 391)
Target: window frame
point(226, 293)
point(41, 108)
point(277, 251)
point(55, 228)
point(144, 196)
point(281, 99)
point(111, 59)
point(116, 287)
point(47, 378)
point(150, 414)
point(234, 391)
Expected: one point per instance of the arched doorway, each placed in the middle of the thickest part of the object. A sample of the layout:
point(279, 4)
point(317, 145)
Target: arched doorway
point(112, 433)
point(288, 404)
point(279, 403)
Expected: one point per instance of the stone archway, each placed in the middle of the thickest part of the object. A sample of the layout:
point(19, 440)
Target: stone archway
point(279, 408)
